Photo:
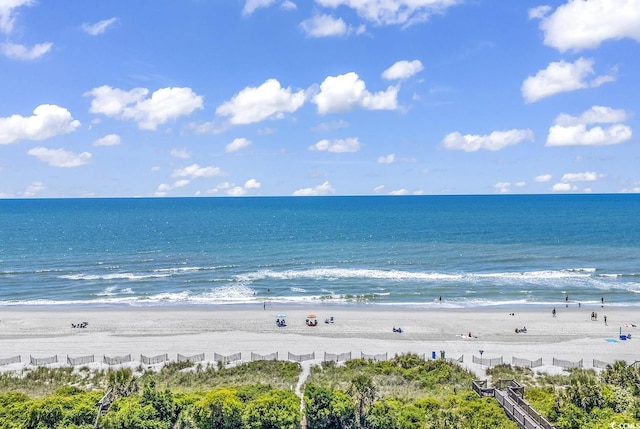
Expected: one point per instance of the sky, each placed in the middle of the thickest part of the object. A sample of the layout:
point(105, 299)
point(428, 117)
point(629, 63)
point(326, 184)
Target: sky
point(182, 98)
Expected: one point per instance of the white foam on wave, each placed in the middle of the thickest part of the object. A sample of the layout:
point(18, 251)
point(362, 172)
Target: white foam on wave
point(115, 276)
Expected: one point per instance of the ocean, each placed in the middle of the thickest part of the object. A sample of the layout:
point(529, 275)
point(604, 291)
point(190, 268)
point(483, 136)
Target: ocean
point(412, 251)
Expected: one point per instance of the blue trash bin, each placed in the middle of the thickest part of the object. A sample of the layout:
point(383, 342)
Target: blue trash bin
point(433, 355)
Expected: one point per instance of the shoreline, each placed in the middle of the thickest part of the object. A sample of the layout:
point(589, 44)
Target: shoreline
point(151, 331)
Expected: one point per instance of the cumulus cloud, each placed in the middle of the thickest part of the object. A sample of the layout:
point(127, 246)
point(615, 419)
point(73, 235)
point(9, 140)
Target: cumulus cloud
point(543, 178)
point(237, 144)
point(7, 13)
point(20, 52)
point(194, 171)
point(387, 159)
point(346, 92)
point(350, 144)
point(575, 131)
point(252, 184)
point(495, 141)
point(108, 140)
point(33, 189)
point(390, 12)
point(324, 26)
point(99, 27)
point(48, 120)
point(60, 157)
point(164, 105)
point(180, 153)
point(560, 77)
point(255, 104)
point(402, 70)
point(322, 189)
point(564, 187)
point(578, 25)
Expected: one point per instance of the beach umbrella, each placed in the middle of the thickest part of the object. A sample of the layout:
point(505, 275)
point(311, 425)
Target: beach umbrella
point(311, 316)
point(282, 315)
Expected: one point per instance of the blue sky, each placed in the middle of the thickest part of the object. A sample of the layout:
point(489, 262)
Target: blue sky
point(318, 97)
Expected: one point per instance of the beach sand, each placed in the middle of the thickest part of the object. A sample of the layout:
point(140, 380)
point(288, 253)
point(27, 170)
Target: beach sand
point(571, 335)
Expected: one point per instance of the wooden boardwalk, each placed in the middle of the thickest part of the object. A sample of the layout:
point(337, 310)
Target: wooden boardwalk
point(510, 396)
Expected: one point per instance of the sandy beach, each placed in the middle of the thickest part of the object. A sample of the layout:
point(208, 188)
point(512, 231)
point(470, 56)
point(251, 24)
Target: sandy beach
point(571, 335)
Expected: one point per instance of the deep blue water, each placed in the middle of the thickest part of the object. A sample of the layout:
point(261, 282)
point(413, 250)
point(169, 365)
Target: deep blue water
point(517, 250)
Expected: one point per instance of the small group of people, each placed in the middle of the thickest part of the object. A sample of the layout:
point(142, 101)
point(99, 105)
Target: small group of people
point(594, 315)
point(281, 323)
point(329, 320)
point(398, 330)
point(80, 325)
point(312, 322)
point(522, 330)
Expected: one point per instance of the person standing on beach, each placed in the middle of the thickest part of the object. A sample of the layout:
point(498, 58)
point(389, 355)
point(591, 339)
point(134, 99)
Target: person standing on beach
point(605, 319)
point(553, 312)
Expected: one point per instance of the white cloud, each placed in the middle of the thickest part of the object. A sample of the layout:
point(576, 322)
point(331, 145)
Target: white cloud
point(20, 52)
point(495, 141)
point(236, 191)
point(345, 92)
point(194, 171)
point(252, 184)
point(237, 144)
point(564, 187)
point(251, 6)
point(324, 26)
point(401, 191)
point(350, 144)
point(180, 153)
point(562, 77)
point(60, 157)
point(578, 25)
point(108, 140)
point(99, 27)
point(7, 13)
point(387, 159)
point(255, 104)
point(587, 176)
point(543, 178)
point(502, 187)
point(402, 70)
point(164, 104)
point(596, 114)
point(33, 189)
point(539, 12)
point(322, 189)
point(48, 120)
point(164, 188)
point(389, 12)
point(574, 131)
point(288, 5)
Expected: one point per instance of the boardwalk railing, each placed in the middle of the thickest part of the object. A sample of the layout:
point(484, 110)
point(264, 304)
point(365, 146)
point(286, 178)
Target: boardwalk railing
point(509, 395)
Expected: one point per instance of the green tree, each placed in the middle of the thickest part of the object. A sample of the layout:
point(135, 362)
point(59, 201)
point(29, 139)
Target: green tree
point(328, 409)
point(277, 409)
point(363, 392)
point(220, 409)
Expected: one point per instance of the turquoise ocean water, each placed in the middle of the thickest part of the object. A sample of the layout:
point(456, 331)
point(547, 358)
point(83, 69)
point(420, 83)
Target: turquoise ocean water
point(472, 251)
